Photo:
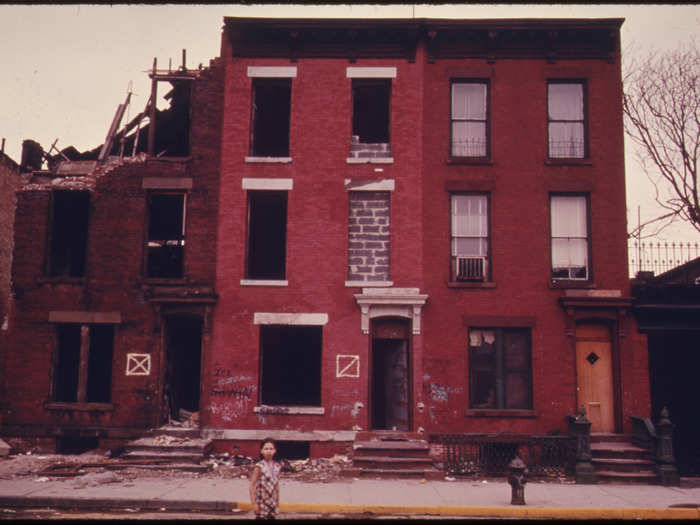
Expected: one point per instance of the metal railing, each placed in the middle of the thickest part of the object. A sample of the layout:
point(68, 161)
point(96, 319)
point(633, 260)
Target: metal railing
point(659, 256)
point(488, 455)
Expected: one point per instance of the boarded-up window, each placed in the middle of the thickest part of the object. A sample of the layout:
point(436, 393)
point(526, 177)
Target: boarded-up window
point(68, 233)
point(83, 363)
point(500, 374)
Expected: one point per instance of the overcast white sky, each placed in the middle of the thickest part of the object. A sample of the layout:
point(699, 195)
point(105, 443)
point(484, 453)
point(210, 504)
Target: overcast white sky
point(65, 68)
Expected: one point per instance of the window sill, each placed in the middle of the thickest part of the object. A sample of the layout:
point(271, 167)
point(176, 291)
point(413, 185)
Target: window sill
point(368, 284)
point(489, 412)
point(264, 282)
point(164, 280)
point(478, 284)
point(269, 160)
point(368, 160)
point(289, 410)
point(568, 283)
point(62, 280)
point(81, 407)
point(568, 162)
point(469, 160)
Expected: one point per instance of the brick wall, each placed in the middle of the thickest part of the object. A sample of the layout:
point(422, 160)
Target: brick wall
point(369, 236)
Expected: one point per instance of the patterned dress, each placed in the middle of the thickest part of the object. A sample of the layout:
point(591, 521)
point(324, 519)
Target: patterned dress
point(267, 488)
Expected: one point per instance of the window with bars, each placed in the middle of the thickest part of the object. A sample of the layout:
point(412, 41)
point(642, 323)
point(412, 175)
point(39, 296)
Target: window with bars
point(570, 241)
point(566, 123)
point(500, 376)
point(470, 238)
point(469, 119)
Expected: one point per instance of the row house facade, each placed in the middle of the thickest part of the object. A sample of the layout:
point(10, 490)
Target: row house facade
point(410, 225)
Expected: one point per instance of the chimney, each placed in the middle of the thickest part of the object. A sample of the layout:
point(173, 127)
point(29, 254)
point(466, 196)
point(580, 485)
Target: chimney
point(32, 156)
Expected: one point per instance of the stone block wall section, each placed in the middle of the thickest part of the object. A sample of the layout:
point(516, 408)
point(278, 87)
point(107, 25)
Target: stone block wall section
point(369, 236)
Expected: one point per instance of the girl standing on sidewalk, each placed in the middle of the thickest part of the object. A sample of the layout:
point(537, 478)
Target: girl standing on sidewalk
point(264, 482)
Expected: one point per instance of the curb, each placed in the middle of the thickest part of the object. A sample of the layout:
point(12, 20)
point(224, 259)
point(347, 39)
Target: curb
point(328, 508)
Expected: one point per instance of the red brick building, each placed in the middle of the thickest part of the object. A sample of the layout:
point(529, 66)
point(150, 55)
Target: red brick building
point(410, 224)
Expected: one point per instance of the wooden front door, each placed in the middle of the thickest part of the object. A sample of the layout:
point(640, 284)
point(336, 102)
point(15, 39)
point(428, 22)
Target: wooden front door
point(594, 375)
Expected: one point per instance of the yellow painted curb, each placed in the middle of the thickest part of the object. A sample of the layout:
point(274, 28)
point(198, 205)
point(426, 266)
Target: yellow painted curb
point(504, 512)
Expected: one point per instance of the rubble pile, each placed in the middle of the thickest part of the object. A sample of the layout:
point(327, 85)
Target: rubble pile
point(321, 469)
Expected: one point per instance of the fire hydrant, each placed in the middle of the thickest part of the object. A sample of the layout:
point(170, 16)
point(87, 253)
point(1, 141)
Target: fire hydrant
point(517, 477)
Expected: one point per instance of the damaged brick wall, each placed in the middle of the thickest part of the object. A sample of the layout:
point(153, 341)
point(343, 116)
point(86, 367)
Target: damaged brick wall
point(9, 182)
point(113, 280)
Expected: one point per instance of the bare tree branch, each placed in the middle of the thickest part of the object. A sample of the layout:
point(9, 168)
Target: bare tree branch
point(662, 116)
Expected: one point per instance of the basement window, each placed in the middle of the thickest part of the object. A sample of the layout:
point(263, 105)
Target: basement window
point(290, 358)
point(68, 233)
point(267, 235)
point(166, 235)
point(270, 117)
point(83, 363)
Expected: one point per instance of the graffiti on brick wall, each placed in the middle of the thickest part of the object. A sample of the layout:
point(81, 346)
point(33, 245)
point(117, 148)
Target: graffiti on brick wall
point(347, 365)
point(138, 364)
point(231, 394)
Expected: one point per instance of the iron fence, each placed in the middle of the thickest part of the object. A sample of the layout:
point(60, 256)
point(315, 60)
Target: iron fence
point(488, 455)
point(659, 256)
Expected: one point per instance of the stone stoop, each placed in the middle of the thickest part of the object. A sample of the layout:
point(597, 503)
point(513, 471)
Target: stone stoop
point(168, 448)
point(392, 454)
point(617, 460)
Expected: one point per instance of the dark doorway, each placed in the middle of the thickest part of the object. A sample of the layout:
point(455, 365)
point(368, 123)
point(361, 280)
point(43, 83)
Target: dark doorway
point(183, 363)
point(390, 397)
point(673, 364)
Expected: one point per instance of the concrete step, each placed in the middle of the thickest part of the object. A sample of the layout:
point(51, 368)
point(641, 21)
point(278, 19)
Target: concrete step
point(176, 431)
point(172, 455)
point(618, 450)
point(422, 473)
point(623, 465)
point(392, 448)
point(187, 467)
point(598, 437)
point(395, 463)
point(646, 477)
point(156, 443)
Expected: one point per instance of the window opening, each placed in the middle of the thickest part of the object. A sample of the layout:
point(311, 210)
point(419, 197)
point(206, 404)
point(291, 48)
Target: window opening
point(166, 235)
point(500, 374)
point(83, 371)
point(267, 233)
point(470, 238)
point(293, 449)
point(469, 119)
point(271, 117)
point(69, 231)
point(290, 365)
point(566, 121)
point(371, 110)
point(569, 217)
point(76, 444)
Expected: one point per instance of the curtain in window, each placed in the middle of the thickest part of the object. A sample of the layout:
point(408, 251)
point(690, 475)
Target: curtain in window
point(469, 119)
point(565, 111)
point(569, 232)
point(469, 225)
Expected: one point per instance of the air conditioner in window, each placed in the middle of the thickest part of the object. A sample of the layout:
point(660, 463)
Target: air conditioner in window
point(470, 268)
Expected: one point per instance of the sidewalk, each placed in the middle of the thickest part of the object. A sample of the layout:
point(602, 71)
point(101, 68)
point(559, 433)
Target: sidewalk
point(467, 498)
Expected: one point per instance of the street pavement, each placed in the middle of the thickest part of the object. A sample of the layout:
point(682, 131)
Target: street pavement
point(458, 497)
